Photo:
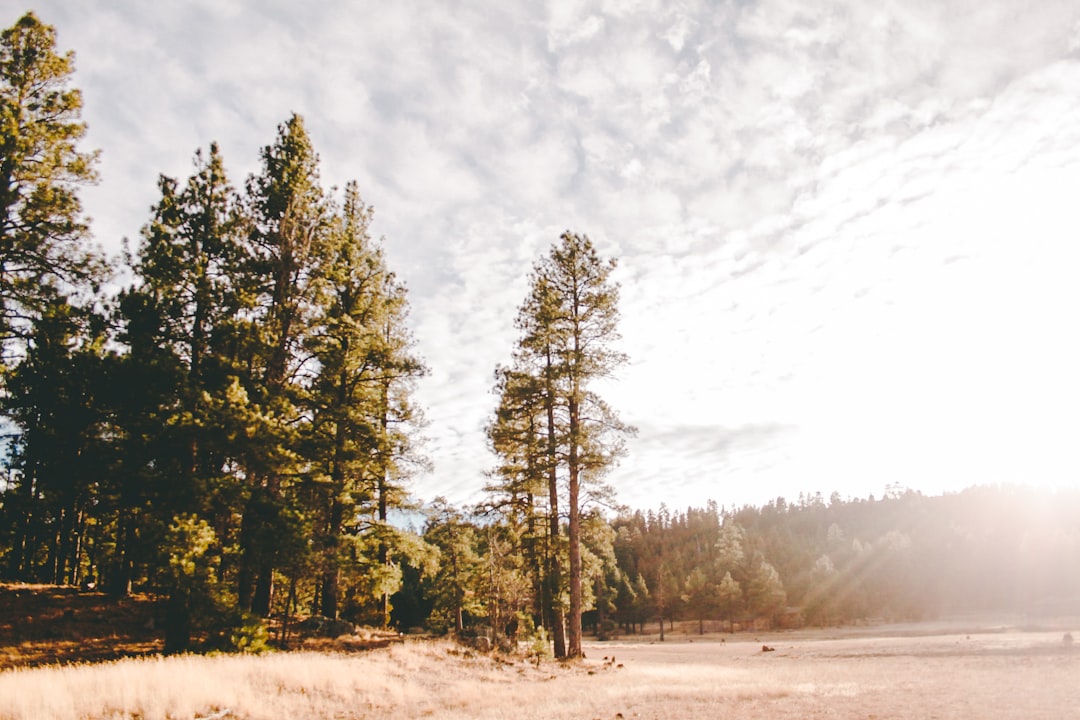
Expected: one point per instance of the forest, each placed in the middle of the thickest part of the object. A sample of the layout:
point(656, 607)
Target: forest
point(235, 430)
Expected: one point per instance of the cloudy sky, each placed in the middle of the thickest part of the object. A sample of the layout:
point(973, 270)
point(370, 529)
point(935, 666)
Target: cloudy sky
point(846, 230)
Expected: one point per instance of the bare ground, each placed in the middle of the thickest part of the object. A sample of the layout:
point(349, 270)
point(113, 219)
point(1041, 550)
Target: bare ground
point(903, 671)
point(47, 624)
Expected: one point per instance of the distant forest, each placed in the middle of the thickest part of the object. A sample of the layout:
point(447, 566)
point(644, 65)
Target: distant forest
point(235, 429)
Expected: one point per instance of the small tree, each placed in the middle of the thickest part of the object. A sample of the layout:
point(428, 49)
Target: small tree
point(700, 596)
point(729, 599)
point(666, 596)
point(729, 547)
point(642, 601)
point(764, 592)
point(452, 587)
point(195, 596)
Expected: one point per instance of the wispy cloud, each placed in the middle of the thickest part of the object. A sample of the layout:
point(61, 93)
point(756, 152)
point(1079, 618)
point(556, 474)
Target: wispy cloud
point(845, 229)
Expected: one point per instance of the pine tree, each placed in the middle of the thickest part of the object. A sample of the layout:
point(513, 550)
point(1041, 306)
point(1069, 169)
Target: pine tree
point(184, 436)
point(57, 400)
point(42, 231)
point(452, 588)
point(764, 591)
point(360, 393)
point(46, 271)
point(289, 215)
point(699, 594)
point(518, 435)
point(526, 433)
point(729, 599)
point(568, 324)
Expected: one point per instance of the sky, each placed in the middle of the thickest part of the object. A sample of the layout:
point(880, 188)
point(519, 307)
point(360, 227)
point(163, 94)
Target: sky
point(846, 231)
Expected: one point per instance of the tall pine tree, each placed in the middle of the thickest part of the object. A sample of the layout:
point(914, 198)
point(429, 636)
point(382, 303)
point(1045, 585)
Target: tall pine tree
point(569, 324)
point(181, 330)
point(359, 396)
point(289, 214)
point(42, 230)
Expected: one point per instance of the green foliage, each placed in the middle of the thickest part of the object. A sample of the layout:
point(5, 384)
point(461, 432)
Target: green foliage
point(188, 543)
point(249, 636)
point(42, 232)
point(256, 422)
point(537, 642)
point(452, 588)
point(58, 399)
point(359, 399)
point(700, 596)
point(730, 553)
point(52, 366)
point(765, 594)
point(197, 599)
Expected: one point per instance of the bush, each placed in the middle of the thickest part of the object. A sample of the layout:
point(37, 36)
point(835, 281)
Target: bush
point(249, 636)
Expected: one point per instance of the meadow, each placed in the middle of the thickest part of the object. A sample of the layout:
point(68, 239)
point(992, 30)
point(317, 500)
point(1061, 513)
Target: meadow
point(937, 670)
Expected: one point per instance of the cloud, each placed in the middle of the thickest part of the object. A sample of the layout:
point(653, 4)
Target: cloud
point(843, 228)
point(684, 465)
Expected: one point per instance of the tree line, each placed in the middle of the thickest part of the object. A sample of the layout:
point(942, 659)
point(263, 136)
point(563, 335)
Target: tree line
point(810, 562)
point(234, 429)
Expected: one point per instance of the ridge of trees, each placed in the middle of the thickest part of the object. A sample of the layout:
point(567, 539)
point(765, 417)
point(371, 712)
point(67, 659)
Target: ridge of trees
point(902, 557)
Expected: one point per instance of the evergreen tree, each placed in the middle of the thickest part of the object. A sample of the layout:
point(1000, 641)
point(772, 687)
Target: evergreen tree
point(289, 216)
point(452, 589)
point(568, 324)
point(360, 393)
point(700, 596)
point(728, 599)
point(57, 398)
point(521, 493)
point(184, 435)
point(764, 591)
point(42, 231)
point(585, 328)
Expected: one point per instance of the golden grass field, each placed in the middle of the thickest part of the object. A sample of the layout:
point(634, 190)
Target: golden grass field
point(911, 671)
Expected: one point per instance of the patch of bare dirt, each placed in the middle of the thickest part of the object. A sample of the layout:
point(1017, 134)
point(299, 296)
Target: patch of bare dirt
point(50, 624)
point(54, 624)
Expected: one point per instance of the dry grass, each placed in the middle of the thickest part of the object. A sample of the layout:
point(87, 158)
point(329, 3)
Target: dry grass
point(1006, 674)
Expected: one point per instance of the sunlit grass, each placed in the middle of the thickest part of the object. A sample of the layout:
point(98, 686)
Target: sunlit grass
point(1012, 675)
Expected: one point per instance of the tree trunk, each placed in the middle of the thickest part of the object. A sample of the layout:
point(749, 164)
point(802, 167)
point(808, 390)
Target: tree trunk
point(119, 584)
point(290, 607)
point(256, 591)
point(264, 590)
point(331, 572)
point(384, 552)
point(384, 482)
point(574, 621)
point(177, 622)
point(558, 628)
point(554, 584)
point(245, 583)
